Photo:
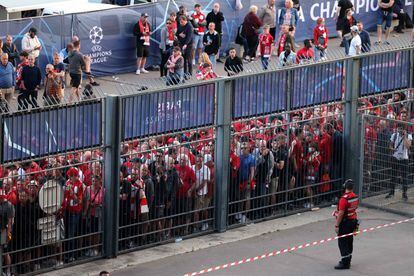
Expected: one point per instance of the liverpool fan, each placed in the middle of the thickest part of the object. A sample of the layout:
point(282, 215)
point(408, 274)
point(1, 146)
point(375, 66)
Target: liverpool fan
point(142, 31)
point(306, 54)
point(265, 48)
point(320, 39)
point(200, 23)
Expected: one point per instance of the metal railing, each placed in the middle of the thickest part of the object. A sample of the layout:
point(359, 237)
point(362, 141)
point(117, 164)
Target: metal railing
point(299, 113)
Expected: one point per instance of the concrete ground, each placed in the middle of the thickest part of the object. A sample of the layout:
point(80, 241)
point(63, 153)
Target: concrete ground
point(376, 253)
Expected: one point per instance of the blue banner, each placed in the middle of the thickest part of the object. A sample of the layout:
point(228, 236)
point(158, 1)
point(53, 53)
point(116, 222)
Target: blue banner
point(317, 84)
point(385, 72)
point(260, 94)
point(51, 131)
point(179, 109)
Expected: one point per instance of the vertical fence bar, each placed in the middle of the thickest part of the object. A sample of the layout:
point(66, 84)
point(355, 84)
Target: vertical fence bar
point(112, 143)
point(361, 156)
point(352, 124)
point(224, 111)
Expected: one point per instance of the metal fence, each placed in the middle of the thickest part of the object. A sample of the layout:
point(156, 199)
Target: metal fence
point(177, 161)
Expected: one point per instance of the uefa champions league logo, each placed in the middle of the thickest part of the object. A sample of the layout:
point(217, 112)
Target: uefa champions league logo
point(96, 35)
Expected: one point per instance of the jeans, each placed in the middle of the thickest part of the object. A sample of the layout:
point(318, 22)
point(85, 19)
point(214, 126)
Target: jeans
point(346, 43)
point(265, 62)
point(319, 54)
point(73, 221)
point(213, 60)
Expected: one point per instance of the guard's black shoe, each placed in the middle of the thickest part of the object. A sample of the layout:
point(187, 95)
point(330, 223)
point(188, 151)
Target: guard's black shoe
point(341, 265)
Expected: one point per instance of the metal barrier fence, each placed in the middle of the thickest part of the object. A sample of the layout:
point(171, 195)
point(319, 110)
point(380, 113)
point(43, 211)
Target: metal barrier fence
point(388, 178)
point(181, 160)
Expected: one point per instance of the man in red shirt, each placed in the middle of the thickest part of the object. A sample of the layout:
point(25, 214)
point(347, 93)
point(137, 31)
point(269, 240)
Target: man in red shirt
point(265, 48)
point(346, 223)
point(306, 54)
point(200, 23)
point(72, 204)
point(326, 147)
point(296, 157)
point(185, 193)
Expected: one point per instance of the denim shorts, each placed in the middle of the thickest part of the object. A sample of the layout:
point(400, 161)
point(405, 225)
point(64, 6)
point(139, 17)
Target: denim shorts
point(384, 16)
point(198, 41)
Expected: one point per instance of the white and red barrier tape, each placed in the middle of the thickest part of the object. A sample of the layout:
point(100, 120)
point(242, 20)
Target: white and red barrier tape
point(294, 248)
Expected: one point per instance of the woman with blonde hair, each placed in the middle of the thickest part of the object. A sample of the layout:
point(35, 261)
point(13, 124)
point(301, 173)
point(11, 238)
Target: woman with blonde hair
point(205, 68)
point(289, 16)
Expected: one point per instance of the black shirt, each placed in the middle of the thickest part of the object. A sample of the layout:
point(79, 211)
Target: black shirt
point(211, 43)
point(216, 19)
point(233, 64)
point(280, 154)
point(187, 31)
point(344, 5)
point(32, 77)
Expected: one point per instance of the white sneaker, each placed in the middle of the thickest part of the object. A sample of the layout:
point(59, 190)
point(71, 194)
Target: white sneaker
point(144, 71)
point(37, 267)
point(243, 219)
point(138, 72)
point(204, 227)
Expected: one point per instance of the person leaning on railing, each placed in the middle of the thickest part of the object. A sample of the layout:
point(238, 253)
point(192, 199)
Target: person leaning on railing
point(233, 64)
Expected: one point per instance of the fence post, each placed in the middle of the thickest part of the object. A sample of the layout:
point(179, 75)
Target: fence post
point(224, 91)
point(112, 163)
point(352, 122)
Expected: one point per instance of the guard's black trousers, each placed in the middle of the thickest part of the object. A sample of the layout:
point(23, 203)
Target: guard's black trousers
point(346, 244)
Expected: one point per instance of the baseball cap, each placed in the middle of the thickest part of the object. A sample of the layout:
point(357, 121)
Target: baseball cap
point(144, 14)
point(354, 29)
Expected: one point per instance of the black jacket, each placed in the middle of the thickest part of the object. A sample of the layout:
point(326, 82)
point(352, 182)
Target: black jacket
point(217, 19)
point(211, 43)
point(187, 30)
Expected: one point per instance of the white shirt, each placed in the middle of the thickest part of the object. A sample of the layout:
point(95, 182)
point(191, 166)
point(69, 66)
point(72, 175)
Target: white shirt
point(203, 174)
point(355, 42)
point(28, 45)
point(400, 150)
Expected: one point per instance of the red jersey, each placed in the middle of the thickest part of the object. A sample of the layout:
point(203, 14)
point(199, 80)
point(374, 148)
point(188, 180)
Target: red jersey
point(297, 153)
point(305, 54)
point(235, 164)
point(349, 203)
point(326, 148)
point(320, 36)
point(199, 18)
point(187, 177)
point(371, 137)
point(34, 172)
point(313, 161)
point(282, 42)
point(73, 196)
point(265, 45)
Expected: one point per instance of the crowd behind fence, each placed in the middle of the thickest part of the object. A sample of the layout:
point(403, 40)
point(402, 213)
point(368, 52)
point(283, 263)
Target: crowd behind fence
point(286, 151)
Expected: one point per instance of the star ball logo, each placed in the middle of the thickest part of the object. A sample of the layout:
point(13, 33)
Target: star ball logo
point(98, 55)
point(96, 34)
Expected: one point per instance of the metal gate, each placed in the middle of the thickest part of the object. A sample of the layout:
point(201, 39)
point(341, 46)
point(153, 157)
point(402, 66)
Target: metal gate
point(387, 164)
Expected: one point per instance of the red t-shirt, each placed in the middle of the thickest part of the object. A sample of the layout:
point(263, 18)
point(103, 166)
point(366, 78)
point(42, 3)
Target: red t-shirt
point(187, 177)
point(265, 44)
point(73, 196)
point(326, 148)
point(199, 18)
point(297, 153)
point(304, 54)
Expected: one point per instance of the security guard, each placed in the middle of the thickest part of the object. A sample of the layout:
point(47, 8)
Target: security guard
point(346, 223)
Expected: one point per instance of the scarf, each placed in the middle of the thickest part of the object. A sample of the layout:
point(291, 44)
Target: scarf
point(170, 38)
point(145, 30)
point(172, 60)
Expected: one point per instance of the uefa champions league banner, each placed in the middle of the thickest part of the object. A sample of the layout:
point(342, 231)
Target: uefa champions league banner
point(162, 112)
point(51, 131)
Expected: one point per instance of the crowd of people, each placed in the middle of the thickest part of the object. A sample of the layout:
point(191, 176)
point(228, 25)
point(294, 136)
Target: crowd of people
point(289, 161)
point(21, 77)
